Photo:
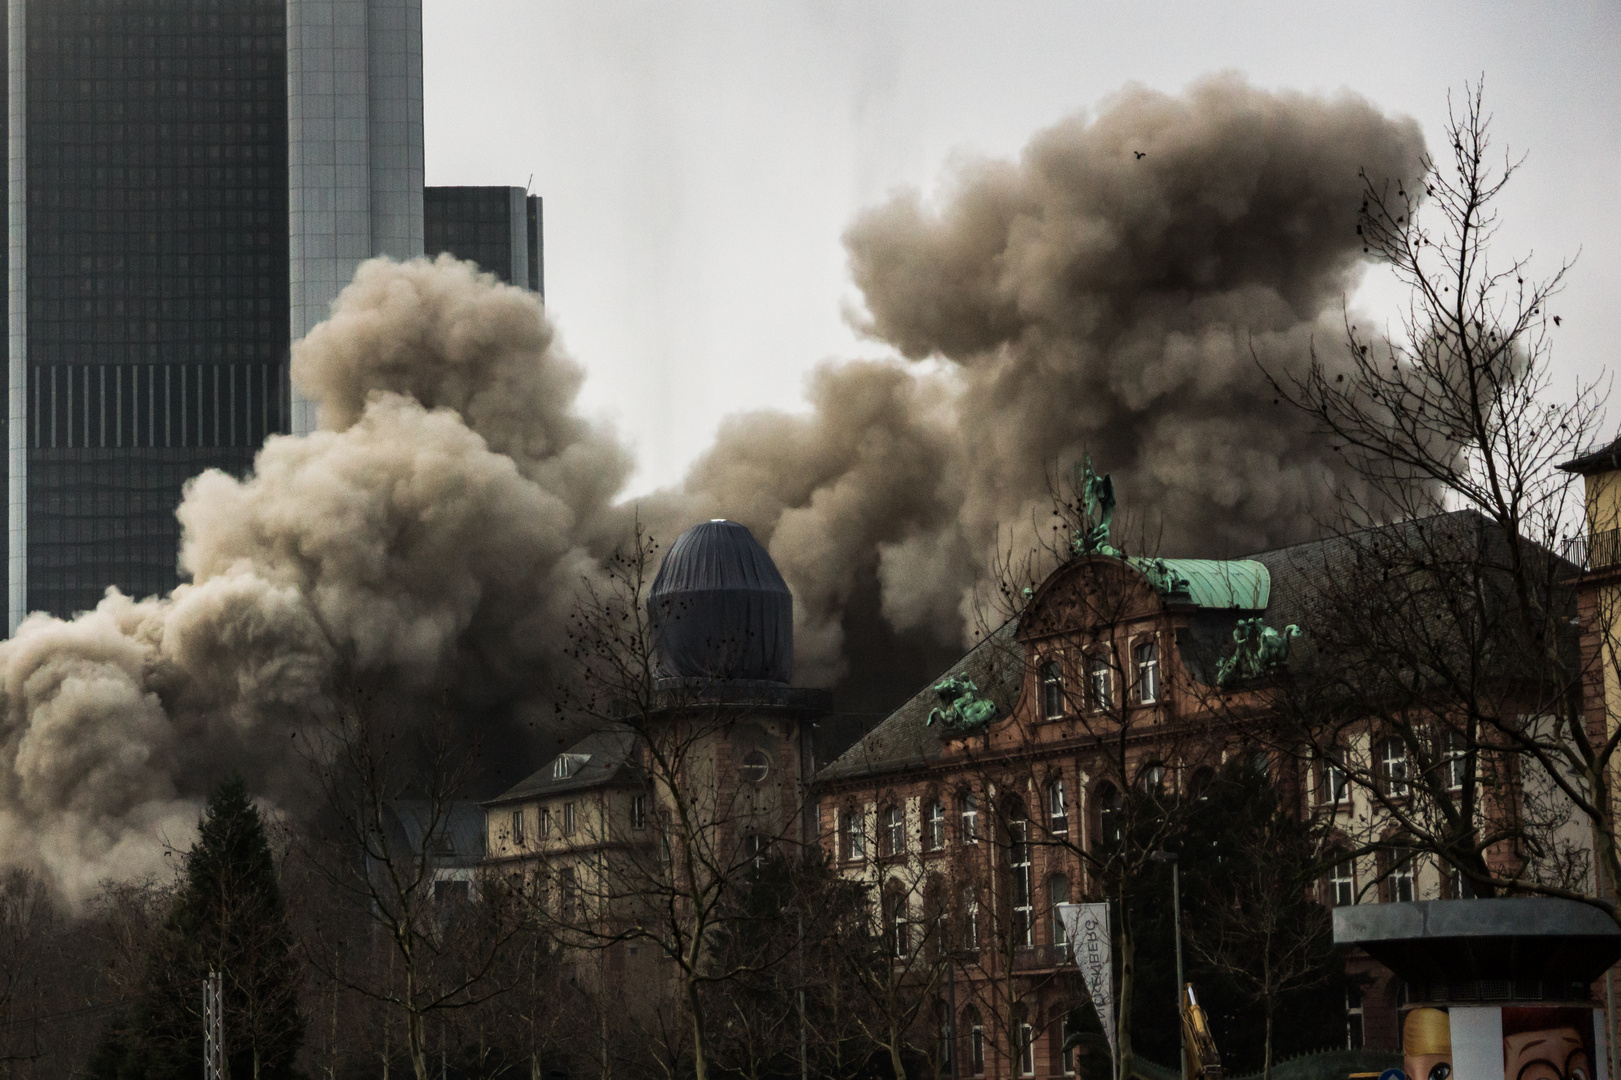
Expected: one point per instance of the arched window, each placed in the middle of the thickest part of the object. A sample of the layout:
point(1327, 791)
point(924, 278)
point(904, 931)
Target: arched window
point(1058, 891)
point(894, 830)
point(754, 848)
point(1199, 782)
point(935, 921)
point(968, 920)
point(1019, 872)
point(1146, 658)
point(1052, 690)
point(947, 1036)
point(1057, 808)
point(1027, 1041)
point(976, 1040)
point(1393, 766)
point(1111, 816)
point(1099, 682)
point(1152, 778)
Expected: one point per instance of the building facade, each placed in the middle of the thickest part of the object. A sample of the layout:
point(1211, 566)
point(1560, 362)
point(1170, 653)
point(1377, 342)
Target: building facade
point(190, 184)
point(500, 228)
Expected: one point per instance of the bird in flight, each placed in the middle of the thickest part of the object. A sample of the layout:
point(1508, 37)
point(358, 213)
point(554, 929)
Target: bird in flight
point(1140, 154)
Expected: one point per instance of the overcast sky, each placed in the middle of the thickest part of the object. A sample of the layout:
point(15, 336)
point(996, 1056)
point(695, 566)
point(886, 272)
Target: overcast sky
point(700, 161)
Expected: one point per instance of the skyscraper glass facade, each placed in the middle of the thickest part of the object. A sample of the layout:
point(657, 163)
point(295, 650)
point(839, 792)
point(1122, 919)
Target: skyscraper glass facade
point(156, 275)
point(500, 228)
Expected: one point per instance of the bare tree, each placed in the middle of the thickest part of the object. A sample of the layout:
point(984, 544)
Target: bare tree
point(389, 792)
point(1443, 683)
point(1258, 921)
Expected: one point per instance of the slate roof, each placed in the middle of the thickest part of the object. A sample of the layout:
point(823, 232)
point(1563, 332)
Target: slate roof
point(609, 758)
point(458, 839)
point(904, 739)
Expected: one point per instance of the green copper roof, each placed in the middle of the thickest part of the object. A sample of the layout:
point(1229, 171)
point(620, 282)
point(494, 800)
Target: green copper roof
point(1213, 583)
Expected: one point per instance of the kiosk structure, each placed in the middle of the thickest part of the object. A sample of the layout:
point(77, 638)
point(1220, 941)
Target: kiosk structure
point(1494, 989)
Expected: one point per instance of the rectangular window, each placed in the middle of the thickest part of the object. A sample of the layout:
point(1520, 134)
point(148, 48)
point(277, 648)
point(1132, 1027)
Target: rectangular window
point(1068, 1051)
point(1052, 690)
point(976, 1047)
point(568, 819)
point(545, 822)
point(1399, 883)
point(638, 812)
point(1353, 1018)
point(1336, 788)
point(1027, 1049)
point(517, 828)
point(1023, 902)
point(970, 820)
point(1058, 887)
point(855, 836)
point(568, 894)
point(1057, 809)
point(1393, 766)
point(1457, 761)
point(1342, 884)
point(1147, 657)
point(970, 920)
point(937, 825)
point(895, 830)
point(1100, 683)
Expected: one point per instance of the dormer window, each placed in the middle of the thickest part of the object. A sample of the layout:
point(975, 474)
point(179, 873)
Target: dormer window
point(567, 765)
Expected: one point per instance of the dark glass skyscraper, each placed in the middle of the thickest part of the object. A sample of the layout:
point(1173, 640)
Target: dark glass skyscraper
point(156, 275)
point(500, 228)
point(190, 182)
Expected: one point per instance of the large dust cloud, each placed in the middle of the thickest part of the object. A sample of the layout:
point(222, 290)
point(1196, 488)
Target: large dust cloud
point(1109, 291)
point(1103, 292)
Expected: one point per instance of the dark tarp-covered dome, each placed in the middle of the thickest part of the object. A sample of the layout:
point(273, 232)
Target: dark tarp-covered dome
point(720, 609)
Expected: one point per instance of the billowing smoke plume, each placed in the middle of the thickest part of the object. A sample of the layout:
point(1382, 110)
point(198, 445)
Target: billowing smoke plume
point(1103, 293)
point(430, 536)
point(1110, 291)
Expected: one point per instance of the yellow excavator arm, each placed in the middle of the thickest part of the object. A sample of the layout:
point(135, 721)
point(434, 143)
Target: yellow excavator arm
point(1204, 1061)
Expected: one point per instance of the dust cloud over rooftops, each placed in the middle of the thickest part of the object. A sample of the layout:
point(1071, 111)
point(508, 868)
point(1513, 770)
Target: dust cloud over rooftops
point(1102, 292)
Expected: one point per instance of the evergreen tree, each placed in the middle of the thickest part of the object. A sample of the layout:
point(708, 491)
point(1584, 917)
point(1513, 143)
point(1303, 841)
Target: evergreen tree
point(227, 917)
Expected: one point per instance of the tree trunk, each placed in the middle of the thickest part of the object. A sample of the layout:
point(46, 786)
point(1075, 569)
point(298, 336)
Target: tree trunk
point(700, 1051)
point(416, 1038)
point(1266, 1058)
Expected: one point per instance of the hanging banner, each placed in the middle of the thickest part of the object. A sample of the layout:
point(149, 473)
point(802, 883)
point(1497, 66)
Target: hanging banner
point(1087, 927)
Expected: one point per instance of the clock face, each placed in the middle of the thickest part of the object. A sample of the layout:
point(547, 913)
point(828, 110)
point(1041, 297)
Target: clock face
point(756, 766)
